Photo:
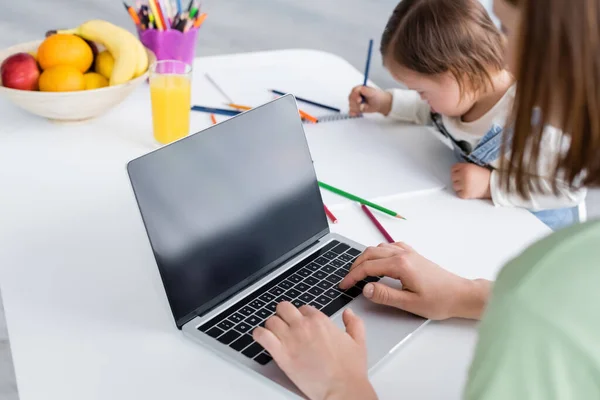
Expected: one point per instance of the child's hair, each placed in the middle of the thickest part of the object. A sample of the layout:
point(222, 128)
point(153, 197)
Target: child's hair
point(436, 36)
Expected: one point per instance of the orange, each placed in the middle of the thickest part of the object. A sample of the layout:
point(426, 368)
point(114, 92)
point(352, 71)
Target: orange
point(61, 78)
point(94, 80)
point(63, 49)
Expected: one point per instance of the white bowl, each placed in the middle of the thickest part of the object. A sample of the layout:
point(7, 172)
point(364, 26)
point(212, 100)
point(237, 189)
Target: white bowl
point(68, 106)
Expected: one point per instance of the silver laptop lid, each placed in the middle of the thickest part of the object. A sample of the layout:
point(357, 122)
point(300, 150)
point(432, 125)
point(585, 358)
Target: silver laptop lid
point(225, 206)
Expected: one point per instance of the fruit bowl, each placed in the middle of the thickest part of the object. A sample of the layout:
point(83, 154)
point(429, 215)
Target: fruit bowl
point(68, 106)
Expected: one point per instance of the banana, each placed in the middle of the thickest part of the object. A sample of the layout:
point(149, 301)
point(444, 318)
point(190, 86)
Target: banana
point(124, 47)
point(142, 60)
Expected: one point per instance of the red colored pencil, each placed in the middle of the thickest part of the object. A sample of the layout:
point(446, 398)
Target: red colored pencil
point(332, 217)
point(380, 227)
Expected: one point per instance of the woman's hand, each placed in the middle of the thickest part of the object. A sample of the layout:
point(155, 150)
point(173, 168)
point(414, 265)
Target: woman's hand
point(323, 361)
point(376, 101)
point(427, 289)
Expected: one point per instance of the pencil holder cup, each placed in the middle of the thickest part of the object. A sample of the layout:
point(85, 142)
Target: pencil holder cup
point(171, 44)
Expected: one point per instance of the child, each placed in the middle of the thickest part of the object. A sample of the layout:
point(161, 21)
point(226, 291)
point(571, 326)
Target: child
point(450, 56)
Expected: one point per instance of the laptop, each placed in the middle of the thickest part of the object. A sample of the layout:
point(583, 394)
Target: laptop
point(236, 222)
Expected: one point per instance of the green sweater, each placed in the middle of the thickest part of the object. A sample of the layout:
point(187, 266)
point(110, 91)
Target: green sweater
point(540, 335)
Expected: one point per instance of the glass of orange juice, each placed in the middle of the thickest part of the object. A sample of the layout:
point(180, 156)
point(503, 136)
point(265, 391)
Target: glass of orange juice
point(170, 94)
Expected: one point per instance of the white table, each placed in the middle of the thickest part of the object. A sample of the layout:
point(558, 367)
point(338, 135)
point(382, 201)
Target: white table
point(86, 311)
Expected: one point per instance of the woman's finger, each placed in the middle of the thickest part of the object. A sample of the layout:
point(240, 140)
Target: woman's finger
point(288, 312)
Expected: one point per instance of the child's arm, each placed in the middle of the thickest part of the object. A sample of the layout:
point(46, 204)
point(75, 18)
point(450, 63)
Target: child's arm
point(403, 105)
point(545, 199)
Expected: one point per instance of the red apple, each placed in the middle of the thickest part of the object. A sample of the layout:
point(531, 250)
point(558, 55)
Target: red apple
point(20, 71)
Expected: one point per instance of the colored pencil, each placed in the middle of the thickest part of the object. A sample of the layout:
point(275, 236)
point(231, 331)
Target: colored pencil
point(377, 224)
point(239, 106)
point(200, 20)
point(308, 117)
point(189, 8)
point(216, 86)
point(179, 8)
point(359, 200)
point(218, 111)
point(367, 66)
point(134, 16)
point(213, 119)
point(157, 19)
point(330, 215)
point(313, 103)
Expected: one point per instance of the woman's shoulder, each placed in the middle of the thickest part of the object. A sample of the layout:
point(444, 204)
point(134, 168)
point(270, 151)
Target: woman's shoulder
point(558, 276)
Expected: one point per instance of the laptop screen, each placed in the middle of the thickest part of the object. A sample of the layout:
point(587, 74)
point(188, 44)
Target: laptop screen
point(225, 206)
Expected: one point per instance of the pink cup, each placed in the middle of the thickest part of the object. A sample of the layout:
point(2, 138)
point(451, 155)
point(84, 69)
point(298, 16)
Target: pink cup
point(171, 44)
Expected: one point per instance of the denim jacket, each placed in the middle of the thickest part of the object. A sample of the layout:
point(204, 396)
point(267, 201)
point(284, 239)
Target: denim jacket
point(488, 150)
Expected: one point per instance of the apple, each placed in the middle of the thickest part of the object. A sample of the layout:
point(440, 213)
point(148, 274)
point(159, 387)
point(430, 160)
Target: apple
point(20, 71)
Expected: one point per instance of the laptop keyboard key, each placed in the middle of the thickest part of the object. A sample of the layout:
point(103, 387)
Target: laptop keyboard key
point(372, 279)
point(286, 284)
point(242, 327)
point(306, 298)
point(252, 320)
point(236, 317)
point(341, 273)
point(315, 305)
point(293, 293)
point(336, 305)
point(225, 325)
point(263, 358)
point(304, 272)
point(332, 293)
point(271, 306)
point(316, 291)
point(295, 278)
point(324, 285)
point(346, 257)
point(320, 275)
point(241, 343)
point(346, 267)
point(298, 303)
point(333, 279)
point(330, 255)
point(313, 266)
point(353, 252)
point(340, 248)
point(263, 313)
point(336, 263)
point(281, 299)
point(353, 292)
point(323, 300)
point(267, 297)
point(246, 311)
point(360, 284)
point(229, 337)
point(302, 287)
point(277, 291)
point(311, 281)
point(256, 304)
point(214, 332)
point(321, 261)
point(328, 269)
point(252, 350)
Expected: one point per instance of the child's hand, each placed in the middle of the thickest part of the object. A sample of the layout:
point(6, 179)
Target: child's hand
point(471, 181)
point(375, 101)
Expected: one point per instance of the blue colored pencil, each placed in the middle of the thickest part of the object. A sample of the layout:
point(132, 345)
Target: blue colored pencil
point(219, 111)
point(314, 103)
point(367, 66)
point(179, 7)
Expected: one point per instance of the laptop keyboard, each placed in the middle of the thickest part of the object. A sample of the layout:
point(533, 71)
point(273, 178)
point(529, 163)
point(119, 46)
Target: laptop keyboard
point(313, 281)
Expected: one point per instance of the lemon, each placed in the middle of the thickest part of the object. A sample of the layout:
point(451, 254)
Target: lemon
point(61, 78)
point(64, 49)
point(105, 64)
point(94, 80)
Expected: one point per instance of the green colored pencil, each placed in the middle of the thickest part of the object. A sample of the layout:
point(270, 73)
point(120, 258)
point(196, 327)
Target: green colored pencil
point(360, 200)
